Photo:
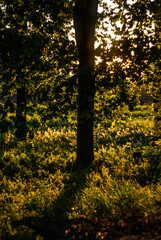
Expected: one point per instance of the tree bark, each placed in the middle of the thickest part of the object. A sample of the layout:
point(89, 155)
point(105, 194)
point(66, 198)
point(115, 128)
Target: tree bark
point(85, 15)
point(21, 113)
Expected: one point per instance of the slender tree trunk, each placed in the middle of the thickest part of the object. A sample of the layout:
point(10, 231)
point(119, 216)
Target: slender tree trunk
point(85, 15)
point(21, 113)
point(157, 94)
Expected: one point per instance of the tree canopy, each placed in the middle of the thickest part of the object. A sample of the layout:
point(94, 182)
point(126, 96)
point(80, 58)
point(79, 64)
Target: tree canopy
point(39, 55)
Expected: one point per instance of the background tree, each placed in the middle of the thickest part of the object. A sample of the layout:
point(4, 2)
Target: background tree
point(129, 51)
point(22, 47)
point(30, 33)
point(157, 68)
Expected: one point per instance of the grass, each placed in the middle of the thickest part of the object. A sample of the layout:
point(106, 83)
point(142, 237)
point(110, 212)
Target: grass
point(38, 176)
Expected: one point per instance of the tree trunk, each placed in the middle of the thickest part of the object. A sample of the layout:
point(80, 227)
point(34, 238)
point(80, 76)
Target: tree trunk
point(85, 15)
point(21, 113)
point(157, 83)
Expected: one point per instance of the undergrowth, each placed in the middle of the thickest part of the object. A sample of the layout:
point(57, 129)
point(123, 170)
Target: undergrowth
point(38, 173)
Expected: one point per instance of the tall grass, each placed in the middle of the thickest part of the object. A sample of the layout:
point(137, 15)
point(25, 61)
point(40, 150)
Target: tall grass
point(35, 172)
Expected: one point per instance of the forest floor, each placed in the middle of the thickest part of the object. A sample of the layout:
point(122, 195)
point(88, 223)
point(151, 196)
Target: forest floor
point(132, 229)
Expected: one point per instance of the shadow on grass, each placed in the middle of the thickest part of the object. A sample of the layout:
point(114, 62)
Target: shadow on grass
point(56, 225)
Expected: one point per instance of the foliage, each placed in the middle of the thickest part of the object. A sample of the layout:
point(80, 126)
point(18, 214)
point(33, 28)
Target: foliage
point(128, 48)
point(36, 46)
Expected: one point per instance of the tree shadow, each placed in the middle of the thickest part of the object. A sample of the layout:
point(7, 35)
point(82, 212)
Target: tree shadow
point(56, 224)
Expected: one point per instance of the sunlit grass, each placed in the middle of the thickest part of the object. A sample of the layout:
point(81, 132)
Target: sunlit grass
point(34, 172)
